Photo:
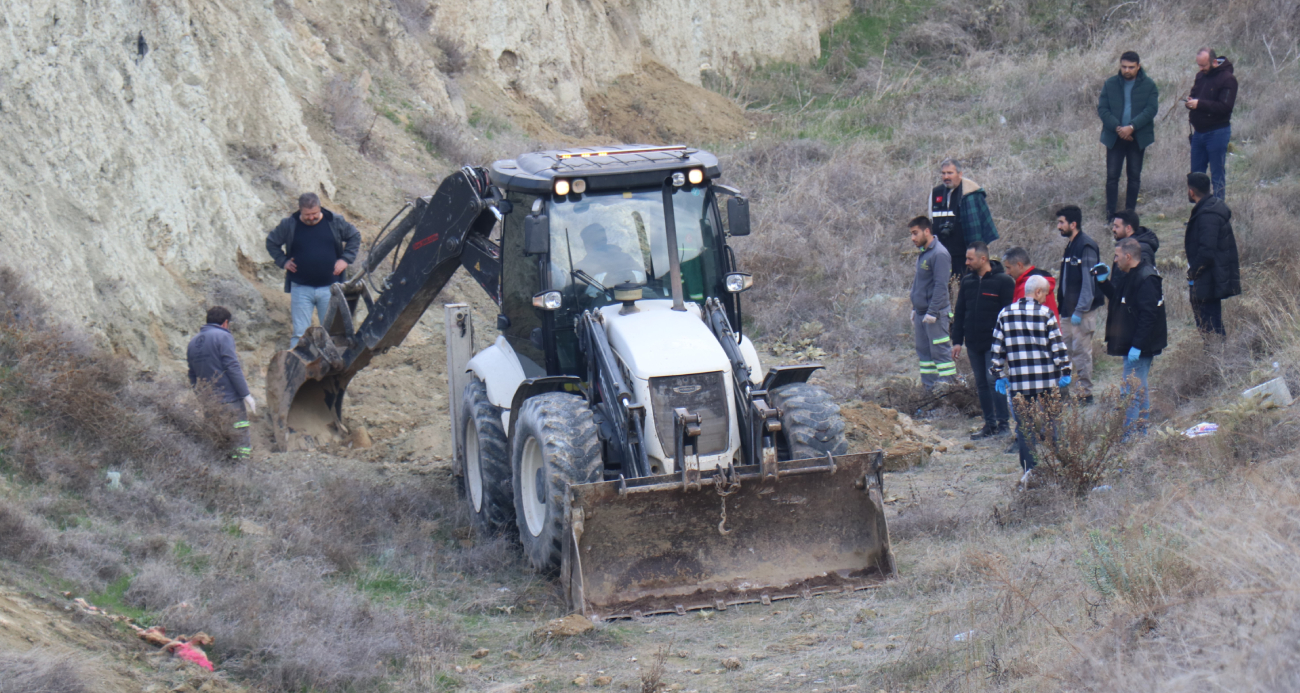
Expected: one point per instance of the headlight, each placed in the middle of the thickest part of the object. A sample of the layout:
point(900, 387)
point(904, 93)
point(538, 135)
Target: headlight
point(695, 176)
point(738, 282)
point(679, 179)
point(561, 187)
point(580, 186)
point(547, 300)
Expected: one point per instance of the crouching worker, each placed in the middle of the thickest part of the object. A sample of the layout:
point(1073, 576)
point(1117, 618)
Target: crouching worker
point(212, 358)
point(1138, 332)
point(1029, 357)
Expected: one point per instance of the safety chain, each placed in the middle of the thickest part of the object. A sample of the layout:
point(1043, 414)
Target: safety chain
point(726, 482)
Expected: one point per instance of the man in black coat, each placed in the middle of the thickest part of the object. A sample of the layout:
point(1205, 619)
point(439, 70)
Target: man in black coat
point(1213, 272)
point(985, 291)
point(212, 358)
point(1140, 331)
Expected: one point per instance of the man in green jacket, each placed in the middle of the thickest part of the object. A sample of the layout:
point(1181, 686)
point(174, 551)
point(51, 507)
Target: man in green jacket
point(1127, 108)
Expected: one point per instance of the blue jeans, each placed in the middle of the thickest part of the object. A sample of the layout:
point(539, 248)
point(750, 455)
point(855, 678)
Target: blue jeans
point(302, 299)
point(1211, 149)
point(1025, 441)
point(1140, 406)
point(992, 404)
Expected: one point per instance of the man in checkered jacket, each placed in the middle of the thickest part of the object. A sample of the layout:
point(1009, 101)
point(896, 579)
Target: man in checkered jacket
point(1029, 356)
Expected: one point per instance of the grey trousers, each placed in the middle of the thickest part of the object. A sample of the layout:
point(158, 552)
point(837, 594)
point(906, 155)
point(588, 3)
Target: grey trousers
point(934, 350)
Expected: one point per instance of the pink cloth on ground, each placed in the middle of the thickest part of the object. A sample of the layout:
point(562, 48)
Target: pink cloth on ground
point(192, 654)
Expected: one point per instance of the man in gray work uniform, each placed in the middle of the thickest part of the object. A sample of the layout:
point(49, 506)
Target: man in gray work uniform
point(930, 306)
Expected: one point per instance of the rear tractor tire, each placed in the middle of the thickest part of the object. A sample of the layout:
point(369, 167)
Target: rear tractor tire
point(487, 479)
point(554, 446)
point(811, 425)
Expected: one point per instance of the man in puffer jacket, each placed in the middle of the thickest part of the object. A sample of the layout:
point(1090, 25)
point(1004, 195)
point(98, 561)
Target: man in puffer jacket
point(1213, 272)
point(985, 291)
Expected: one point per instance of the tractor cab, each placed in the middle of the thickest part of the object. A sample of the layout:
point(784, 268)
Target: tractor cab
point(595, 230)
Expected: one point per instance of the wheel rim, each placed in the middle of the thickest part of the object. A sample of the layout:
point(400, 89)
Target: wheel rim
point(473, 466)
point(532, 487)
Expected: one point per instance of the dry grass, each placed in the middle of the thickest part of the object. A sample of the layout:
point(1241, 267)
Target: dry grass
point(41, 670)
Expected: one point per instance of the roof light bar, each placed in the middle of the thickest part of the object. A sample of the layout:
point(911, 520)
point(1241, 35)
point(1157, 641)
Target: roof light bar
point(637, 150)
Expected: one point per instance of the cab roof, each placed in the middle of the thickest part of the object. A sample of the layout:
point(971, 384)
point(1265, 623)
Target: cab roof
point(604, 168)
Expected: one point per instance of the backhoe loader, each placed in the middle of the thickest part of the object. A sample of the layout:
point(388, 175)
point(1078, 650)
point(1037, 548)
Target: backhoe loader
point(620, 425)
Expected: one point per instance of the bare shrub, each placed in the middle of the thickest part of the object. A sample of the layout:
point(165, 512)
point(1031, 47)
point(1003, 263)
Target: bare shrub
point(43, 670)
point(21, 537)
point(454, 56)
point(652, 677)
point(1076, 447)
point(345, 102)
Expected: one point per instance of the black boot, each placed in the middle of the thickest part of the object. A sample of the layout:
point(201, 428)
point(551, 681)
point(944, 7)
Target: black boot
point(983, 433)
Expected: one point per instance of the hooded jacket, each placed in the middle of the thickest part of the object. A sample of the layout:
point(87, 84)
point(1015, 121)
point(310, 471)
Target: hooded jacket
point(347, 240)
point(1051, 288)
point(1137, 312)
point(968, 209)
point(1215, 92)
point(1142, 113)
point(979, 300)
point(211, 356)
point(1212, 264)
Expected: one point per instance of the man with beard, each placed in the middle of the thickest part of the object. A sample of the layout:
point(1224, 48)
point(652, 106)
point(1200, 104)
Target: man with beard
point(1127, 107)
point(1209, 106)
point(960, 213)
point(1213, 272)
point(1077, 297)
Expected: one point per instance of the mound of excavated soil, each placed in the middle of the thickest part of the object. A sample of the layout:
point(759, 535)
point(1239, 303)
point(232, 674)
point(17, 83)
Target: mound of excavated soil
point(906, 443)
point(655, 106)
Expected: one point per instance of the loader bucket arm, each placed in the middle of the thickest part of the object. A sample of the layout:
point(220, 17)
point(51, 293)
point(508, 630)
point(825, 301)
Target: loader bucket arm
point(305, 386)
point(647, 546)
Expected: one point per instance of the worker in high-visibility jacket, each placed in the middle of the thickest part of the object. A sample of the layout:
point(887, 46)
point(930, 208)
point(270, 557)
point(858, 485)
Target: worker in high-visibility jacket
point(930, 306)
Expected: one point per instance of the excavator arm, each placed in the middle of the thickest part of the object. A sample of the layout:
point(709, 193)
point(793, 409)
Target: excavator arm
point(305, 386)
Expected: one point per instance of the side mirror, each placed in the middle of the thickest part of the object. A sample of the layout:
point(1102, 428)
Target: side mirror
point(537, 234)
point(737, 216)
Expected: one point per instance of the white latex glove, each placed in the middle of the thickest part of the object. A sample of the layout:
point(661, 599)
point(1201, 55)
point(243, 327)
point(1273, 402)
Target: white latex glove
point(929, 319)
point(250, 404)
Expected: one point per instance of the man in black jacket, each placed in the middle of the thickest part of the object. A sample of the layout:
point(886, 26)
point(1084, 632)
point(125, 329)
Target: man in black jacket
point(1213, 272)
point(315, 247)
point(985, 291)
point(1077, 297)
point(1140, 331)
point(1209, 105)
point(1125, 224)
point(212, 358)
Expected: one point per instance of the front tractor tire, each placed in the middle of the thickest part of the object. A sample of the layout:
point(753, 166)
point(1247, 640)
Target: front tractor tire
point(487, 479)
point(554, 446)
point(811, 425)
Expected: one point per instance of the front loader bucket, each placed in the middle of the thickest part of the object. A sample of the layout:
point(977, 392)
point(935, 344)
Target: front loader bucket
point(304, 396)
point(648, 546)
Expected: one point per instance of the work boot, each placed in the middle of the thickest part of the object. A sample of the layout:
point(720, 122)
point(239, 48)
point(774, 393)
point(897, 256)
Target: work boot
point(1002, 429)
point(986, 432)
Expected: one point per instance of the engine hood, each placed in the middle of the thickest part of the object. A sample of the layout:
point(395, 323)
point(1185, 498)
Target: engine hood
point(658, 341)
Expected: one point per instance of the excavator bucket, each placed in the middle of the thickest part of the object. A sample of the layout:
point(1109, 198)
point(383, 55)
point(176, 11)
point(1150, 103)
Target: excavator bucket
point(649, 546)
point(304, 394)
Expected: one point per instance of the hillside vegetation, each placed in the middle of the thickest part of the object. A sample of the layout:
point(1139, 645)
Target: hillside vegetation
point(328, 572)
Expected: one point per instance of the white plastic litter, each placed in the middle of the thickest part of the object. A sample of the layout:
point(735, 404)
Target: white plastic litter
point(1101, 488)
point(963, 637)
point(115, 480)
point(1201, 429)
point(1273, 393)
